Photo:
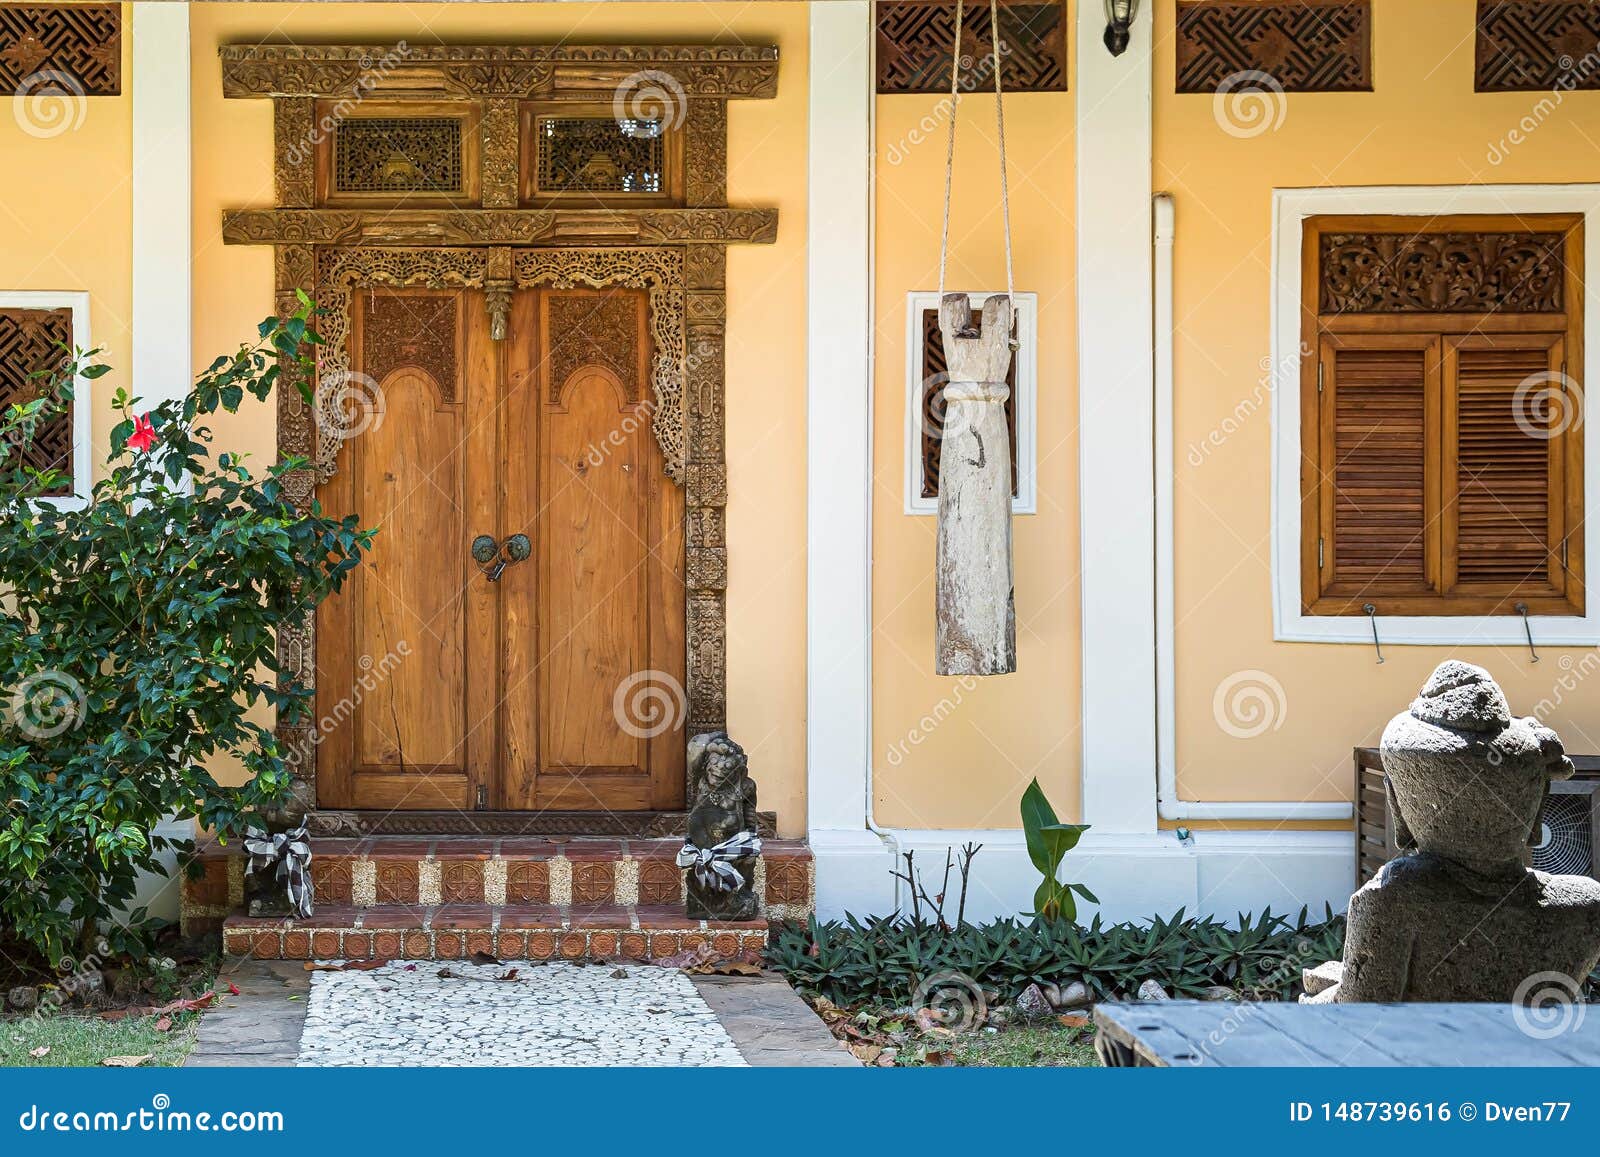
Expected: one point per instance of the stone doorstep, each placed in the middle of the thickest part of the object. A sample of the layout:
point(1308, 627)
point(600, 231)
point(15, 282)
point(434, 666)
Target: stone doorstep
point(399, 932)
point(397, 870)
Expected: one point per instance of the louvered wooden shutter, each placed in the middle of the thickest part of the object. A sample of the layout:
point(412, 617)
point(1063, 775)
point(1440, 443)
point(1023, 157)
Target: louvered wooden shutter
point(1507, 417)
point(1377, 395)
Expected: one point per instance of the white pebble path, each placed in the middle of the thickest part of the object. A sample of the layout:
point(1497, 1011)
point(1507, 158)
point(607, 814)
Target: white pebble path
point(564, 1015)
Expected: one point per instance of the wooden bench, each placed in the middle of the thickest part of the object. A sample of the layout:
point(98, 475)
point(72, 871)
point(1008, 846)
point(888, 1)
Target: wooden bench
point(1211, 1034)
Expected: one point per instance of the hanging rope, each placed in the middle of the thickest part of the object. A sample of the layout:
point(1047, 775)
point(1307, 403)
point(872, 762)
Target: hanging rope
point(950, 145)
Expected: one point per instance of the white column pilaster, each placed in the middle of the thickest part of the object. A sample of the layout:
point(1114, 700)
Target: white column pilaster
point(162, 236)
point(1116, 435)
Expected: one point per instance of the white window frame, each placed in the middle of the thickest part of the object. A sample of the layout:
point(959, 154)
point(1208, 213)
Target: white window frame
point(1290, 208)
point(1025, 501)
point(82, 400)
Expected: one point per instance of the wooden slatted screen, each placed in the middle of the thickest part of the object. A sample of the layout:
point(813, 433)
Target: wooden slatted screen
point(1378, 414)
point(1442, 440)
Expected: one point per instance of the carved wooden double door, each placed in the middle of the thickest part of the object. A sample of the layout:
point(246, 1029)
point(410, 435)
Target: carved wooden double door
point(515, 639)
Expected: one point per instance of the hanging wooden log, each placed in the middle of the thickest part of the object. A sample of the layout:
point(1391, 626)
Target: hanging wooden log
point(977, 623)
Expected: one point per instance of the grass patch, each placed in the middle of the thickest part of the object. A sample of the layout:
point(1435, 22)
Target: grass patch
point(1026, 1046)
point(79, 1040)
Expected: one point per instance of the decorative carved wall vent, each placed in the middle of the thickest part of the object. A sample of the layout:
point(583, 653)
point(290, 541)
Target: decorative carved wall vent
point(1537, 45)
point(1304, 46)
point(398, 155)
point(915, 38)
point(80, 43)
point(599, 155)
point(30, 341)
point(1442, 273)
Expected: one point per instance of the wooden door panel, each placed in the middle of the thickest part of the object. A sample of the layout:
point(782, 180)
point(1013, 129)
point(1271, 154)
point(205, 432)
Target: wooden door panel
point(595, 685)
point(398, 693)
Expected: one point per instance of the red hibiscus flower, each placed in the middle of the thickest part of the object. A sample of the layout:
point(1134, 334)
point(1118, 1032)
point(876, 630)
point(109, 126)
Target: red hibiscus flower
point(143, 436)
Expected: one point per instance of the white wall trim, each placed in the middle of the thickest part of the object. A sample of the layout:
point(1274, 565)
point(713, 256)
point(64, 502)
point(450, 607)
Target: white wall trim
point(162, 360)
point(83, 456)
point(1116, 423)
point(1027, 354)
point(1136, 876)
point(839, 395)
point(1289, 209)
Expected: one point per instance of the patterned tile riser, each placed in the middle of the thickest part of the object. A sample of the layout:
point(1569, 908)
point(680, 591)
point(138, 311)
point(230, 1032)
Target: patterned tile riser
point(521, 944)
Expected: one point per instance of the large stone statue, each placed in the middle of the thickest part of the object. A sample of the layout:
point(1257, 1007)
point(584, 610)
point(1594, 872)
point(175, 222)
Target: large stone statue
point(720, 852)
point(1459, 915)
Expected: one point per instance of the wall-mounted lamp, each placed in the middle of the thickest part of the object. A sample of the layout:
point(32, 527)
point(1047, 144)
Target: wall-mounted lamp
point(1119, 20)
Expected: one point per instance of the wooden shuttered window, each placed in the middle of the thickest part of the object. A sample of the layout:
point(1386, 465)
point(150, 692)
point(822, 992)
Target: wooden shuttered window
point(1442, 458)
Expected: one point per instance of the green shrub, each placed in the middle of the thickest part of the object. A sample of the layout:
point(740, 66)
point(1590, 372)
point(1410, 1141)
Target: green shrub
point(136, 636)
point(883, 960)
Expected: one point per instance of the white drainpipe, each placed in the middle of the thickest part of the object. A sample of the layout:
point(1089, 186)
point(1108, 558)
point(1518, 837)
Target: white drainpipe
point(1169, 806)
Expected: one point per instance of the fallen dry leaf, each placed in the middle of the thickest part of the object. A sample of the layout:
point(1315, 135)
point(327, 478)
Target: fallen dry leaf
point(124, 1062)
point(446, 974)
point(41, 1051)
point(484, 958)
point(1072, 1020)
point(508, 974)
point(886, 1060)
point(696, 959)
point(937, 1058)
point(735, 968)
point(867, 1054)
point(343, 966)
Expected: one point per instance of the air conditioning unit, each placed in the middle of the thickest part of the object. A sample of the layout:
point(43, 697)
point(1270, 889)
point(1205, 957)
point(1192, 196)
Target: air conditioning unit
point(1568, 838)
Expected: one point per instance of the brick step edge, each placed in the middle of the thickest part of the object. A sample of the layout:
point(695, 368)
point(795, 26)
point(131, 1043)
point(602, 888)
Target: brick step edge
point(444, 871)
point(401, 938)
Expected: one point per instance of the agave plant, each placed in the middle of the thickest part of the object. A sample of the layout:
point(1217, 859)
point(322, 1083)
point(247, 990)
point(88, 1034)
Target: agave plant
point(1049, 841)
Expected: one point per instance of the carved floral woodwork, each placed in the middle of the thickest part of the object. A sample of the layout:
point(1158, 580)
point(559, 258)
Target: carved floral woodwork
point(1537, 46)
point(677, 255)
point(1442, 273)
point(416, 331)
point(915, 38)
point(528, 70)
point(498, 226)
point(30, 342)
point(590, 332)
point(398, 155)
point(1302, 45)
point(74, 48)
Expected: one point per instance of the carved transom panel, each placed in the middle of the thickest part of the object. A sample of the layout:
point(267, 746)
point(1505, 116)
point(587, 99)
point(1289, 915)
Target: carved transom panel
point(1537, 45)
point(416, 330)
point(1442, 273)
point(64, 48)
point(1303, 45)
point(398, 155)
point(30, 342)
point(915, 38)
point(599, 155)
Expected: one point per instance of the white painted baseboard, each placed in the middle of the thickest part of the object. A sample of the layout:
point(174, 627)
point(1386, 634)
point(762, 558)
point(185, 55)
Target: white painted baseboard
point(1134, 876)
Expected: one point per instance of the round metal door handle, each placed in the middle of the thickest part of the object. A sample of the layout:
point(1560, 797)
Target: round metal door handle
point(485, 549)
point(518, 548)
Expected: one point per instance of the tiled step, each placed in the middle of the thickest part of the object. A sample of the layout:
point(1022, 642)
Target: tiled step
point(521, 932)
point(578, 872)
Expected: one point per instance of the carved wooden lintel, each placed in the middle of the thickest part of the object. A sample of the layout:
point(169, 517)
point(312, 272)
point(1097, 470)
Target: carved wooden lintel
point(499, 226)
point(542, 71)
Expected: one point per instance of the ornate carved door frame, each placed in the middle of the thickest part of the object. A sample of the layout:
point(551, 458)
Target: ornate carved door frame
point(678, 255)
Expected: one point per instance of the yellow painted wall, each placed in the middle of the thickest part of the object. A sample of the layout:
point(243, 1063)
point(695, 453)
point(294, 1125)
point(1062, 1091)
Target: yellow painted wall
point(1423, 124)
point(66, 215)
point(952, 753)
point(766, 297)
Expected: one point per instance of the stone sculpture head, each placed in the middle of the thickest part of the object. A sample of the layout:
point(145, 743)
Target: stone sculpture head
point(1466, 779)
